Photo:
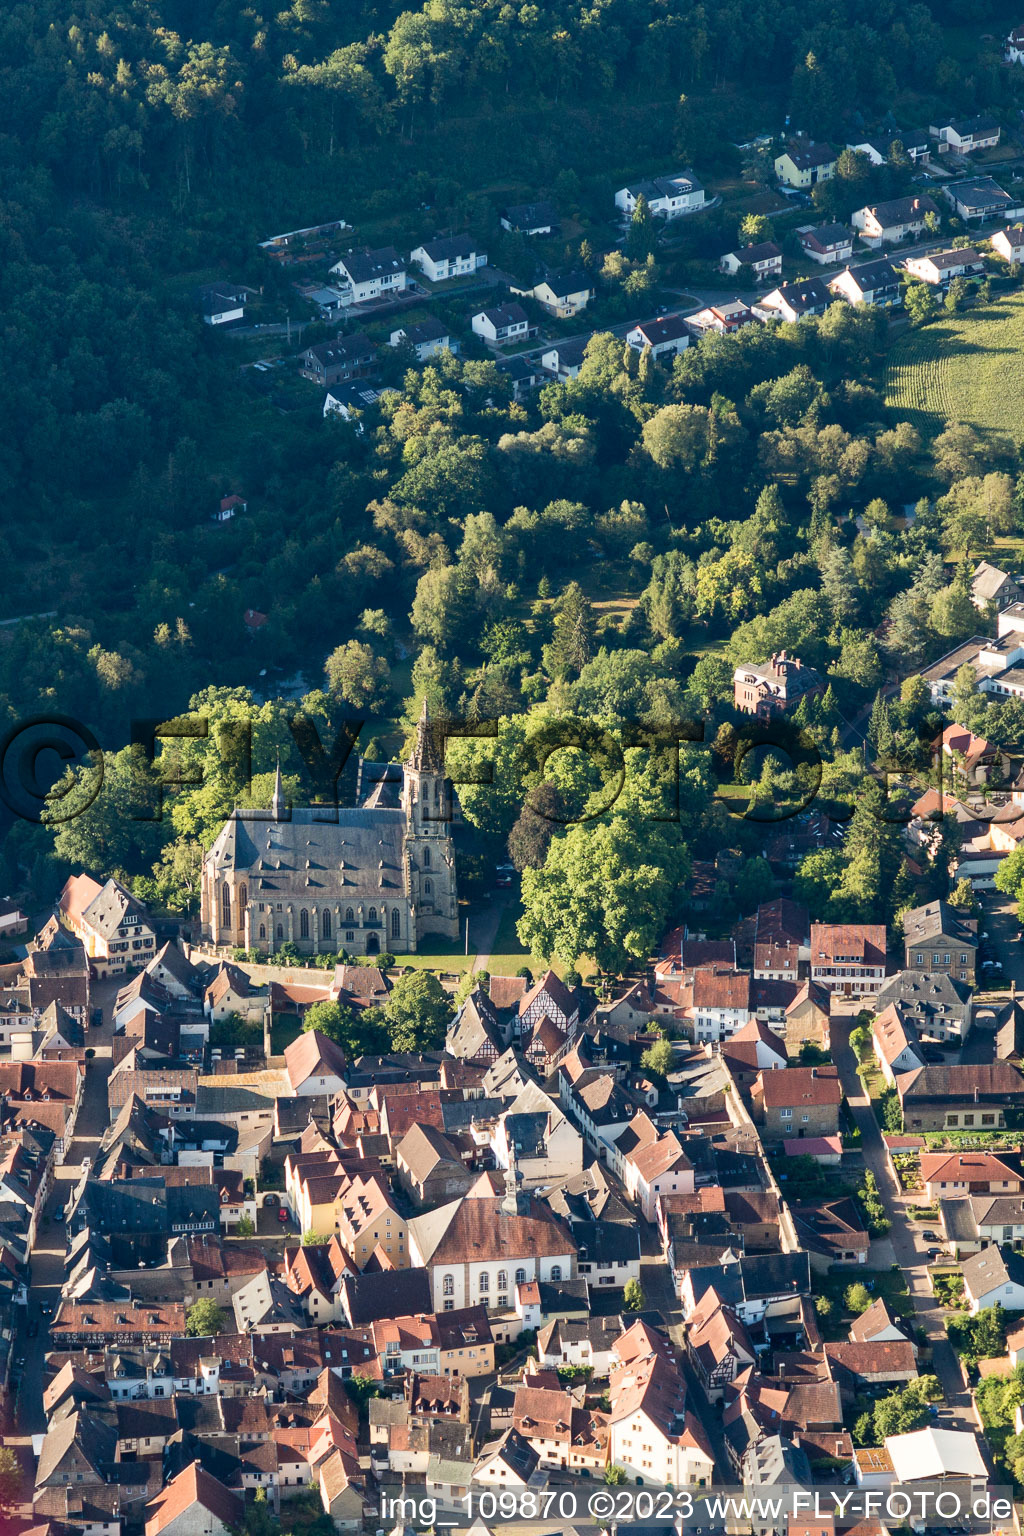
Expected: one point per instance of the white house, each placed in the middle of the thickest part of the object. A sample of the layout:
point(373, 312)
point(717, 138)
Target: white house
point(757, 262)
point(895, 1044)
point(652, 1435)
point(940, 267)
point(794, 301)
point(365, 275)
point(826, 243)
point(426, 337)
point(665, 336)
point(220, 303)
point(966, 134)
point(902, 218)
point(566, 359)
point(562, 294)
point(981, 198)
point(1009, 242)
point(994, 1274)
point(873, 282)
point(503, 323)
point(1013, 53)
point(667, 197)
point(349, 401)
point(456, 256)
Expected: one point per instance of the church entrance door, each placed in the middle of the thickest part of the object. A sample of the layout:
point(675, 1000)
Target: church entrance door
point(372, 944)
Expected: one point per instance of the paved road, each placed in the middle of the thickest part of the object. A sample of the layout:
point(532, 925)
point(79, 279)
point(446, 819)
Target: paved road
point(904, 1245)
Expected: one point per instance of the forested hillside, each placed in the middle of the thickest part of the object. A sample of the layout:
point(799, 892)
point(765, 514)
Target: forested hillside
point(458, 549)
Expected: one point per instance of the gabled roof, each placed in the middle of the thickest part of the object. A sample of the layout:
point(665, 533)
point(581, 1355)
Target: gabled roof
point(194, 1486)
point(312, 1054)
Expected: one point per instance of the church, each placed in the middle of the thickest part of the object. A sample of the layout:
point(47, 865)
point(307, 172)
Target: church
point(371, 878)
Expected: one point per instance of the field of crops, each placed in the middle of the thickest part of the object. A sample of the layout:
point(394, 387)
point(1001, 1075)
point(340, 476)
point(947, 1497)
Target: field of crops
point(969, 367)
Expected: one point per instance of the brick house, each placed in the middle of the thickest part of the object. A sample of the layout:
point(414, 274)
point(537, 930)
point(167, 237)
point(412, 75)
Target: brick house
point(800, 1102)
point(768, 688)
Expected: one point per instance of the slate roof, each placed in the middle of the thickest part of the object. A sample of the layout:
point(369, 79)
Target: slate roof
point(356, 856)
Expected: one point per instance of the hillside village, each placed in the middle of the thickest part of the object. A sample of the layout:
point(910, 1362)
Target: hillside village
point(753, 1217)
point(520, 995)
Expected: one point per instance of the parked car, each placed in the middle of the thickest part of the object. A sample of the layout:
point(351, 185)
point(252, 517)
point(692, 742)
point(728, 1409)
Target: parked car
point(930, 1237)
point(934, 1253)
point(96, 1018)
point(282, 1214)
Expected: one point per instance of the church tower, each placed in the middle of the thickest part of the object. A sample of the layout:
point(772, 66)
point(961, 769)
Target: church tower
point(429, 852)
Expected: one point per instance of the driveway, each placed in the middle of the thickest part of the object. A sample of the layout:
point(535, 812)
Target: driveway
point(908, 1248)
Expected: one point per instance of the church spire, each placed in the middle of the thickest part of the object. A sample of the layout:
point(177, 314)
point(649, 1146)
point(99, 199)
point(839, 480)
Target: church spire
point(428, 754)
point(278, 809)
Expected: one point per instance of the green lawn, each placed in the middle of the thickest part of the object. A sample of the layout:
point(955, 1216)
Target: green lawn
point(965, 367)
point(285, 1028)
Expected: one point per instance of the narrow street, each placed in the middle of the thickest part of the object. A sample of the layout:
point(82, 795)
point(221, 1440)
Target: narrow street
point(904, 1245)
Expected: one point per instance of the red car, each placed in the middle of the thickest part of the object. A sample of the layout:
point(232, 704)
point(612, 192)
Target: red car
point(282, 1214)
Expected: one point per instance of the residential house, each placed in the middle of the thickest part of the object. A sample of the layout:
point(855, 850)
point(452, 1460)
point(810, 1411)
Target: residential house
point(566, 359)
point(336, 362)
point(430, 1167)
point(563, 1435)
point(454, 256)
point(587, 1344)
point(757, 262)
point(652, 1434)
point(600, 1106)
point(831, 1232)
point(315, 1065)
point(718, 1345)
point(802, 1101)
point(981, 198)
point(937, 938)
point(503, 323)
point(1013, 52)
point(994, 1274)
point(794, 301)
point(959, 1097)
point(848, 957)
point(880, 1325)
point(857, 1367)
point(507, 1462)
point(530, 218)
point(725, 318)
point(756, 1286)
point(896, 1045)
point(902, 218)
point(650, 1163)
point(425, 337)
point(754, 1048)
point(808, 1017)
point(940, 267)
point(195, 1503)
point(562, 294)
point(222, 303)
point(665, 336)
point(366, 275)
point(351, 402)
point(872, 282)
point(989, 584)
point(956, 1175)
point(772, 687)
point(803, 164)
point(667, 197)
point(977, 1222)
point(230, 991)
point(1009, 243)
point(114, 927)
point(523, 375)
point(826, 243)
point(915, 143)
point(781, 940)
point(966, 134)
